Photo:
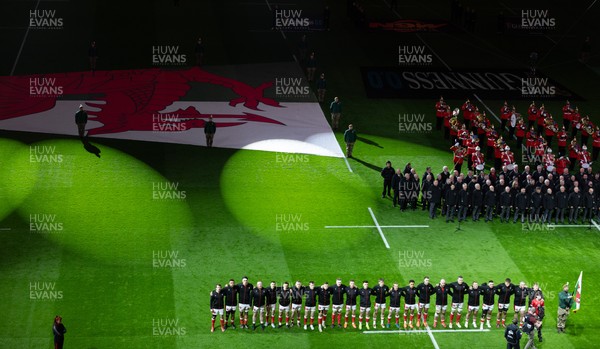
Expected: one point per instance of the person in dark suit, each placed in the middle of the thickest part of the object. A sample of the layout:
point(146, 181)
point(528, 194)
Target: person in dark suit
point(59, 330)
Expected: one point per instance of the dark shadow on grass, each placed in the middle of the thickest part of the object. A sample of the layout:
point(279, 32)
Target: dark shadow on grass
point(369, 142)
point(369, 165)
point(90, 148)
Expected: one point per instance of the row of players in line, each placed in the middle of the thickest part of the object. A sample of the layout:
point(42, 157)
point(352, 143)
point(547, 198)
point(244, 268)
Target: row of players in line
point(318, 299)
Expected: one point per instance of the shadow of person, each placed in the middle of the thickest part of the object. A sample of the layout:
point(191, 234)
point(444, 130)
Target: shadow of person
point(90, 148)
point(369, 165)
point(369, 142)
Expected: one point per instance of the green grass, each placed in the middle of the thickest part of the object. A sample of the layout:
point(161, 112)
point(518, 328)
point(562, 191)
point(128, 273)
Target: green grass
point(226, 227)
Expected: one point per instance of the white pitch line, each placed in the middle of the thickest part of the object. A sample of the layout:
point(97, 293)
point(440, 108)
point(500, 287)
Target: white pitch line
point(348, 164)
point(374, 226)
point(5, 229)
point(570, 226)
point(12, 72)
point(422, 331)
point(379, 228)
point(596, 224)
point(435, 343)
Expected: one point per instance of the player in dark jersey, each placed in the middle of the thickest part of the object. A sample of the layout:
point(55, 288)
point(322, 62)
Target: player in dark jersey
point(351, 294)
point(244, 300)
point(297, 296)
point(216, 307)
point(231, 301)
point(521, 292)
point(441, 302)
point(259, 302)
point(504, 292)
point(458, 290)
point(395, 295)
point(473, 303)
point(285, 303)
point(337, 301)
point(272, 292)
point(380, 291)
point(365, 304)
point(324, 294)
point(424, 291)
point(489, 295)
point(310, 304)
point(410, 302)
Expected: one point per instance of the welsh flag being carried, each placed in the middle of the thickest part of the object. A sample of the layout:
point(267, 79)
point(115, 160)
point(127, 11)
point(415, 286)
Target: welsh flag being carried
point(577, 293)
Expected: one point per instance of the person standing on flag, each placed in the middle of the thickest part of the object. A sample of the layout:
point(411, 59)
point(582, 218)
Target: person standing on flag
point(565, 302)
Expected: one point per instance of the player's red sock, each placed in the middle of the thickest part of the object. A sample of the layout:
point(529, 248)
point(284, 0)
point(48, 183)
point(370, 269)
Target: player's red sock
point(339, 318)
point(332, 318)
point(389, 320)
point(360, 319)
point(272, 319)
point(287, 320)
point(397, 319)
point(319, 320)
point(212, 324)
point(452, 317)
point(404, 318)
point(425, 317)
point(312, 321)
point(222, 323)
point(458, 317)
point(345, 318)
point(279, 318)
point(411, 317)
point(305, 321)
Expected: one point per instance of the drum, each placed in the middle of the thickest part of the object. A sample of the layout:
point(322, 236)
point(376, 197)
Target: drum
point(480, 167)
point(585, 165)
point(455, 112)
point(510, 167)
point(550, 168)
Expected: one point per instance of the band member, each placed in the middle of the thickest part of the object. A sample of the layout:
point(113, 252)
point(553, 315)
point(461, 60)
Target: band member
point(440, 109)
point(478, 160)
point(505, 113)
point(512, 122)
point(567, 115)
point(531, 142)
point(520, 131)
point(459, 154)
point(455, 127)
point(463, 135)
point(447, 117)
point(532, 113)
point(551, 128)
point(468, 110)
point(472, 145)
point(562, 141)
point(584, 158)
point(548, 160)
point(587, 129)
point(540, 150)
point(541, 119)
point(491, 136)
point(498, 150)
point(508, 158)
point(575, 122)
point(574, 149)
point(595, 143)
point(562, 164)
